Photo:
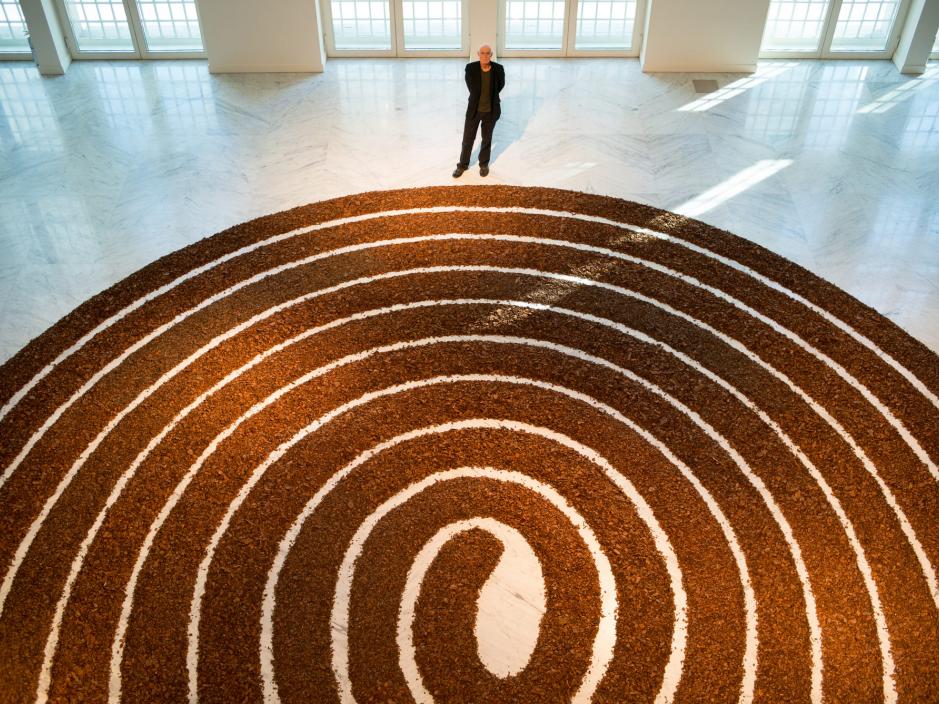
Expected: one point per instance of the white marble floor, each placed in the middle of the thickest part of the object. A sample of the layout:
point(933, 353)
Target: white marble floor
point(832, 164)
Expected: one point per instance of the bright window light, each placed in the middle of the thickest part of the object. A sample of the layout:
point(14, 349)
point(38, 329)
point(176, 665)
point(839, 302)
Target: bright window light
point(902, 93)
point(12, 27)
point(864, 25)
point(774, 108)
point(840, 88)
point(732, 90)
point(605, 24)
point(732, 187)
point(794, 25)
point(534, 24)
point(361, 25)
point(922, 127)
point(27, 117)
point(186, 97)
point(935, 45)
point(433, 25)
point(100, 25)
point(123, 98)
point(170, 25)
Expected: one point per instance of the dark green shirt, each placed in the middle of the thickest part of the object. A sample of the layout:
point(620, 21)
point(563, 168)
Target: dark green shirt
point(485, 94)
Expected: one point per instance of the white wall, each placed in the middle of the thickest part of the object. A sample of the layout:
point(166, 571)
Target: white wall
point(48, 39)
point(918, 36)
point(483, 22)
point(245, 36)
point(694, 35)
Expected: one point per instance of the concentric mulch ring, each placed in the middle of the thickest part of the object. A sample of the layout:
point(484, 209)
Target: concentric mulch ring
point(302, 460)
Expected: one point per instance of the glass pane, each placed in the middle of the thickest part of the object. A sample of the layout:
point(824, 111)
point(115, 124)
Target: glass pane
point(534, 24)
point(605, 24)
point(361, 25)
point(864, 25)
point(433, 25)
point(794, 25)
point(170, 25)
point(12, 27)
point(100, 25)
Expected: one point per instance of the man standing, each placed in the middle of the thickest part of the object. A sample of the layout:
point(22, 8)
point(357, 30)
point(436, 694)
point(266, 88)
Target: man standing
point(484, 79)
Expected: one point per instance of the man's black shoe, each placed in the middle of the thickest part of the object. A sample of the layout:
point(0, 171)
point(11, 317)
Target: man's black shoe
point(483, 170)
point(458, 171)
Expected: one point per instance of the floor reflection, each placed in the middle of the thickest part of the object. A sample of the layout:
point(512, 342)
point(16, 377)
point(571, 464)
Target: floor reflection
point(832, 164)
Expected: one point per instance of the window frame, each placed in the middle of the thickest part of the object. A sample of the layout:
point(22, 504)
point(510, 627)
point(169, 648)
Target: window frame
point(568, 41)
point(137, 35)
point(824, 50)
point(396, 14)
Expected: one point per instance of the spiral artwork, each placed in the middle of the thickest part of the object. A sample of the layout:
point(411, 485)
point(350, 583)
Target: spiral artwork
point(476, 444)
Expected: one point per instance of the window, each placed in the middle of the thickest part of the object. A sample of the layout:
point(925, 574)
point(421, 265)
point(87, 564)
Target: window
point(795, 25)
point(100, 25)
point(605, 24)
point(534, 24)
point(361, 25)
point(396, 27)
point(570, 27)
point(864, 25)
point(170, 25)
point(832, 28)
point(432, 25)
point(12, 27)
point(133, 28)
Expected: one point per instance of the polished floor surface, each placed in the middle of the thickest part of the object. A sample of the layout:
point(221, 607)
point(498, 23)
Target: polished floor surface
point(834, 165)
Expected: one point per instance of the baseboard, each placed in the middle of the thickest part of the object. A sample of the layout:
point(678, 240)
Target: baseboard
point(51, 70)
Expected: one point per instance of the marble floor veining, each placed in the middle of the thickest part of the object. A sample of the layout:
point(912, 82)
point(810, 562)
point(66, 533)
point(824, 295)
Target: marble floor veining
point(834, 165)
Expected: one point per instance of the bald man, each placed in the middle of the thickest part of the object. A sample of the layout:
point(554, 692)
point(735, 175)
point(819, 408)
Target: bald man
point(484, 79)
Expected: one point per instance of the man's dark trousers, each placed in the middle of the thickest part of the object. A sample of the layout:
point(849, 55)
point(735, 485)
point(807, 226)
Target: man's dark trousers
point(470, 127)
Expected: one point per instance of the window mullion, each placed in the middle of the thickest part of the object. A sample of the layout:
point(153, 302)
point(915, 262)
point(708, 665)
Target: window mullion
point(570, 28)
point(831, 21)
point(136, 28)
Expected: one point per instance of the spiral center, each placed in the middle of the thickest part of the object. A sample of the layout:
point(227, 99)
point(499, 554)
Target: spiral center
point(510, 606)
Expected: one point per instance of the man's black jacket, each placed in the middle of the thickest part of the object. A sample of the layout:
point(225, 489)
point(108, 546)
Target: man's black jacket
point(474, 80)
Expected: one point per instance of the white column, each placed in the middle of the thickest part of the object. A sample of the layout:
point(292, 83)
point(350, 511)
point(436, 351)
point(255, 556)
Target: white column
point(483, 25)
point(919, 33)
point(712, 36)
point(249, 36)
point(47, 36)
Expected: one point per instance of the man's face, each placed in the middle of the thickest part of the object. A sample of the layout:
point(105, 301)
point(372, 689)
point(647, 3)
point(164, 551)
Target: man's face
point(484, 54)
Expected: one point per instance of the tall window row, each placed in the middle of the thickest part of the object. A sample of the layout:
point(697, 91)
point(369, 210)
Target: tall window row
point(832, 28)
point(412, 27)
point(114, 28)
point(143, 28)
point(133, 28)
